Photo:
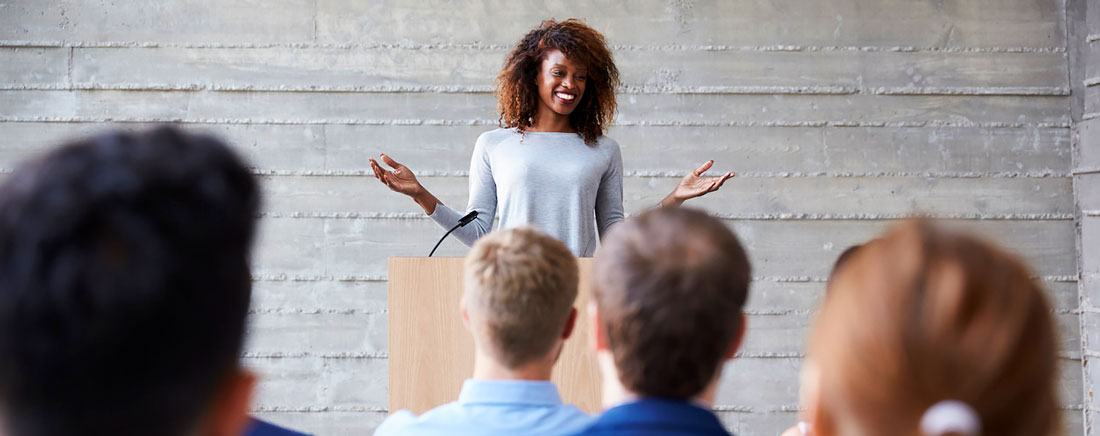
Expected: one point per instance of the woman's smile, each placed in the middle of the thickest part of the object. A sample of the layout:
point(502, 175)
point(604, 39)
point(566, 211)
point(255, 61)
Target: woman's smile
point(566, 97)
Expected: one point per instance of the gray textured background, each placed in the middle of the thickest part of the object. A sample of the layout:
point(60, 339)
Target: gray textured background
point(837, 115)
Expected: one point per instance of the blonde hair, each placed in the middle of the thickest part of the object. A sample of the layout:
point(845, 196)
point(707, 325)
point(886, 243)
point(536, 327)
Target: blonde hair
point(925, 315)
point(522, 284)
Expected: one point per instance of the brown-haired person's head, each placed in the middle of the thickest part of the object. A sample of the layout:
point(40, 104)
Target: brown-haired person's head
point(520, 285)
point(927, 316)
point(670, 287)
point(567, 57)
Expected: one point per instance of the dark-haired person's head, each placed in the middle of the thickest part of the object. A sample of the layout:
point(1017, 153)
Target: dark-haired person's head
point(670, 288)
point(124, 286)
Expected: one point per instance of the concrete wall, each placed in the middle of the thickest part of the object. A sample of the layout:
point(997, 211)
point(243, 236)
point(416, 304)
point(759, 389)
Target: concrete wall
point(837, 115)
point(1085, 79)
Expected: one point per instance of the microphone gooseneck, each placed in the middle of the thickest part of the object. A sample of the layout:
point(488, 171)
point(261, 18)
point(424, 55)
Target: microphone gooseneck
point(461, 222)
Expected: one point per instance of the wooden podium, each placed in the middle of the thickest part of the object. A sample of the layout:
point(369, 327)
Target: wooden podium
point(431, 353)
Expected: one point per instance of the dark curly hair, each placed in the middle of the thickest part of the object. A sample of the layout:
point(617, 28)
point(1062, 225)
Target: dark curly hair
point(518, 94)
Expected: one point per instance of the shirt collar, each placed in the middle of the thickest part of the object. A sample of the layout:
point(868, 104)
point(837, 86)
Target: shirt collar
point(532, 392)
point(655, 411)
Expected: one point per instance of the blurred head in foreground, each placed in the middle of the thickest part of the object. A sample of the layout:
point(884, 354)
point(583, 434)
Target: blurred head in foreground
point(124, 285)
point(520, 285)
point(927, 331)
point(670, 287)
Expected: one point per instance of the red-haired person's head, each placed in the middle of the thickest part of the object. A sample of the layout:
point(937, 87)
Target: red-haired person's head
point(565, 67)
point(927, 331)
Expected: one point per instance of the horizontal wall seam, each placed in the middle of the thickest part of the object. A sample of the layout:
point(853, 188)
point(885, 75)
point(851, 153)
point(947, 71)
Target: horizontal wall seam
point(1093, 81)
point(970, 90)
point(728, 408)
point(317, 409)
point(502, 47)
point(314, 311)
point(729, 216)
point(1092, 38)
point(486, 122)
point(1090, 212)
point(1046, 174)
point(1083, 171)
point(304, 355)
point(281, 277)
point(1090, 116)
point(488, 89)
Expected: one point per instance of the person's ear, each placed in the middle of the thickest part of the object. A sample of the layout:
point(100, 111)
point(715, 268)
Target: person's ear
point(596, 334)
point(465, 314)
point(570, 324)
point(227, 415)
point(740, 336)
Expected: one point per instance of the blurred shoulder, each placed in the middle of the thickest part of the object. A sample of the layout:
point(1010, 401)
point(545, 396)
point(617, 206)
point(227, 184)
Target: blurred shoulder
point(444, 419)
point(262, 428)
point(397, 423)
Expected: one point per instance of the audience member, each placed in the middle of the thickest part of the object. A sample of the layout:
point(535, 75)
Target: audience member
point(670, 288)
point(844, 257)
point(931, 332)
point(517, 302)
point(124, 285)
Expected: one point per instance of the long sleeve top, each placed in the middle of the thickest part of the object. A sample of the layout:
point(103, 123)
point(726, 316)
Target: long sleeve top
point(551, 180)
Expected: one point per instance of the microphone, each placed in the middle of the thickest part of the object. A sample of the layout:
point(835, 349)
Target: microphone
point(461, 222)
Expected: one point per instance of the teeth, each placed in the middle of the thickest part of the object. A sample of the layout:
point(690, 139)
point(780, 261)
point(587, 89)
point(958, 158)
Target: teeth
point(565, 96)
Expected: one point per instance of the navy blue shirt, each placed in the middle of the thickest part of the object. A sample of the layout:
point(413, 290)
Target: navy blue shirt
point(261, 428)
point(656, 417)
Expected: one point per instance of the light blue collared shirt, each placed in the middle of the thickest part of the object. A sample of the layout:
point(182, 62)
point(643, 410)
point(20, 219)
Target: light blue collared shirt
point(493, 407)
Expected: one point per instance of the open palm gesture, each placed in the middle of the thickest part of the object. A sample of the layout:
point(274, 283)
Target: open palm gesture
point(694, 185)
point(400, 179)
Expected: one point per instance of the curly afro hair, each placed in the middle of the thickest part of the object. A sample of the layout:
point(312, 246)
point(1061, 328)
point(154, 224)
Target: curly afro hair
point(517, 92)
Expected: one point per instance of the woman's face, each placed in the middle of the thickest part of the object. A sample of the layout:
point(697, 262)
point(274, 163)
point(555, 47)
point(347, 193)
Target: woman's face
point(561, 83)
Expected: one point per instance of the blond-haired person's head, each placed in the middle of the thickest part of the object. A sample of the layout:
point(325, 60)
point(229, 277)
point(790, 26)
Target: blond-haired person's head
point(520, 285)
point(927, 331)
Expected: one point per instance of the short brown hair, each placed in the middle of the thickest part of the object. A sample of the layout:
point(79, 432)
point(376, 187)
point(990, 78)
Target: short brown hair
point(518, 95)
point(523, 284)
point(670, 286)
point(927, 314)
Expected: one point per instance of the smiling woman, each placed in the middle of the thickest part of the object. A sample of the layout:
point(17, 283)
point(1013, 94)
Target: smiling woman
point(549, 165)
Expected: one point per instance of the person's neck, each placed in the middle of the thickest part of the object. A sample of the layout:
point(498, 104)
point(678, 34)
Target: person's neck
point(614, 393)
point(546, 120)
point(487, 368)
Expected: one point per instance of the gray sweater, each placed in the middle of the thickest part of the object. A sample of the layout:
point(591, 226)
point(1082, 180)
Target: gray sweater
point(551, 180)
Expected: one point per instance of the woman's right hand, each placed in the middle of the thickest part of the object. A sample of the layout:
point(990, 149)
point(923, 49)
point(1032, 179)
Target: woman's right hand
point(401, 179)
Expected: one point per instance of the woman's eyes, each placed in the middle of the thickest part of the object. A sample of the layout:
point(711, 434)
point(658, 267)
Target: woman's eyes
point(558, 73)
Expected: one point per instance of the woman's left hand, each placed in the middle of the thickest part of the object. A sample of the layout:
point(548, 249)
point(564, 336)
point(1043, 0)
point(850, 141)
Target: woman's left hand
point(695, 185)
